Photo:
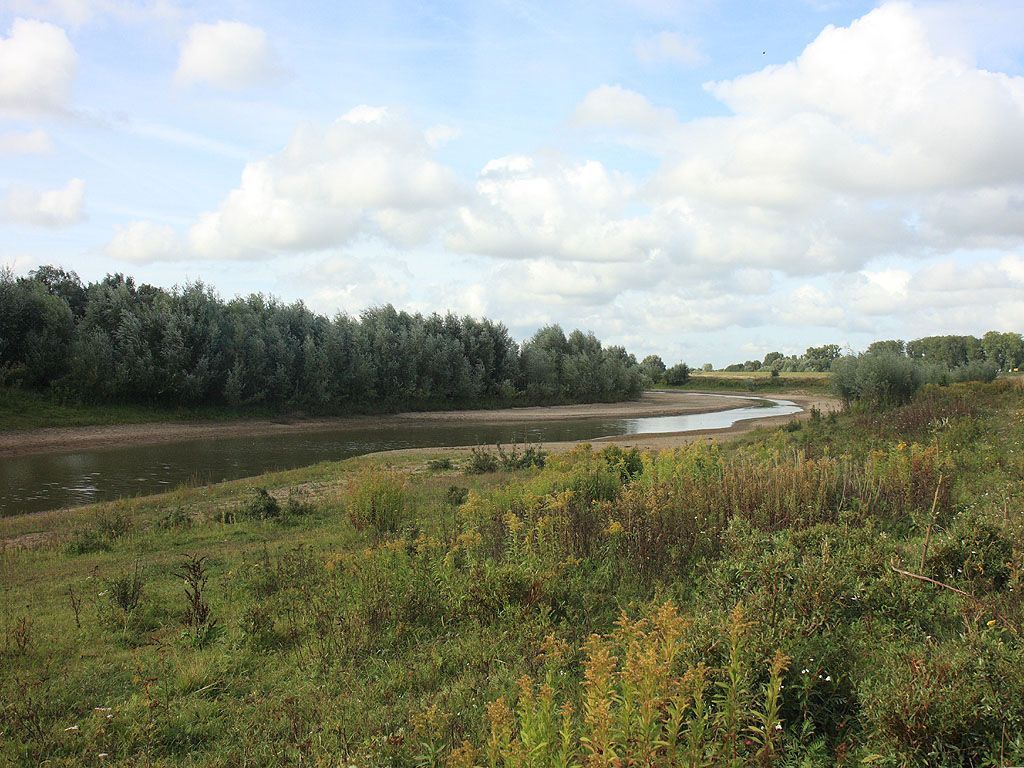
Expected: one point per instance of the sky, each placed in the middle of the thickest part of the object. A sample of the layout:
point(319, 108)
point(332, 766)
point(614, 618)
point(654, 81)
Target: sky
point(706, 180)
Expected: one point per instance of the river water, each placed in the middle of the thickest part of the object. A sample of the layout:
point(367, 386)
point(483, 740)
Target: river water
point(40, 482)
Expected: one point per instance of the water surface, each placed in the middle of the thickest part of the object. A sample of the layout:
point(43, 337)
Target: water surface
point(50, 481)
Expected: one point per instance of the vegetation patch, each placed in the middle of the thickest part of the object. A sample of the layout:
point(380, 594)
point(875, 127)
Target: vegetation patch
point(847, 593)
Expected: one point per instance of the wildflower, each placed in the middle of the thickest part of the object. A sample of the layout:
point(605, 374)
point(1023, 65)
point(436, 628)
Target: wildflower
point(778, 726)
point(828, 678)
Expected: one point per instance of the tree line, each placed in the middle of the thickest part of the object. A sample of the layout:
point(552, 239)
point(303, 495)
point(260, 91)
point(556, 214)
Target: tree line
point(118, 341)
point(1003, 351)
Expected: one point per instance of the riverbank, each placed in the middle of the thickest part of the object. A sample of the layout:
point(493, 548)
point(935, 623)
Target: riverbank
point(669, 440)
point(62, 440)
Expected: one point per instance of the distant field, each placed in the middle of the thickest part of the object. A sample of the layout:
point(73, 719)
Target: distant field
point(754, 381)
point(760, 375)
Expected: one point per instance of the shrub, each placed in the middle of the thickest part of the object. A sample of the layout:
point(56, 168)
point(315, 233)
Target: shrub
point(678, 374)
point(978, 370)
point(531, 456)
point(377, 499)
point(481, 461)
point(260, 506)
point(879, 379)
point(440, 465)
point(456, 495)
point(946, 703)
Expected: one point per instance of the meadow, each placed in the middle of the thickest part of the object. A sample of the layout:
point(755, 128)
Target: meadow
point(845, 590)
point(754, 381)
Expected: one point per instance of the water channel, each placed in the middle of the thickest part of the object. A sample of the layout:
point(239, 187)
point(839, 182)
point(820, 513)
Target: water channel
point(39, 482)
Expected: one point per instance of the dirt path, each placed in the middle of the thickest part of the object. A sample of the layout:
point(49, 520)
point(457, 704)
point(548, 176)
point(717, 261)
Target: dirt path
point(63, 440)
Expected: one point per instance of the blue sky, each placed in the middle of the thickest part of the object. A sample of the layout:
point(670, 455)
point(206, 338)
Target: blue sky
point(705, 180)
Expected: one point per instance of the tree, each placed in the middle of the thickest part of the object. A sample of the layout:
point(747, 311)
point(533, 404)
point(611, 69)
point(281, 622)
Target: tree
point(653, 368)
point(678, 374)
point(892, 346)
point(821, 358)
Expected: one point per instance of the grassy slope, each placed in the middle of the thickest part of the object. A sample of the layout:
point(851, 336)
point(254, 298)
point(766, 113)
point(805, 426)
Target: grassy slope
point(30, 410)
point(345, 645)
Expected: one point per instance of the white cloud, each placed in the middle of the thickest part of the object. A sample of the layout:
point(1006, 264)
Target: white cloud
point(611, 106)
point(671, 48)
point(871, 143)
point(50, 208)
point(226, 54)
point(37, 68)
point(144, 241)
point(35, 142)
point(369, 174)
point(556, 210)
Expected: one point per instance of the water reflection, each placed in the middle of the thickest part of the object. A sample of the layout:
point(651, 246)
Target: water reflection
point(51, 481)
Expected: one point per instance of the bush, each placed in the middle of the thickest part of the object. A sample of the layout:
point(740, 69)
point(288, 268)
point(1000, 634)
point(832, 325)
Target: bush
point(979, 370)
point(456, 495)
point(881, 380)
point(377, 500)
point(481, 461)
point(678, 374)
point(440, 465)
point(531, 456)
point(260, 506)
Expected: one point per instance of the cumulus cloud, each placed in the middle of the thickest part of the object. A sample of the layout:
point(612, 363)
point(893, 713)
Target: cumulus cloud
point(871, 143)
point(144, 241)
point(49, 208)
point(37, 68)
point(369, 174)
point(226, 54)
point(36, 142)
point(562, 211)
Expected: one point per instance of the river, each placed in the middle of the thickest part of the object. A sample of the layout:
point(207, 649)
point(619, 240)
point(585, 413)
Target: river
point(35, 483)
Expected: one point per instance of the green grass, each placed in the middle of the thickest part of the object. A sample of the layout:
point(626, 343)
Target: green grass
point(20, 410)
point(754, 381)
point(376, 616)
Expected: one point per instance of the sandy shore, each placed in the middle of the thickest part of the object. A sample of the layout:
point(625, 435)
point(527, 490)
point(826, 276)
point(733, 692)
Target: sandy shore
point(62, 440)
point(669, 440)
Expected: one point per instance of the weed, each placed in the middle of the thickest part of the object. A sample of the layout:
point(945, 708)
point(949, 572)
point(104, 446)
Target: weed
point(101, 534)
point(377, 499)
point(125, 591)
point(19, 636)
point(201, 627)
point(456, 495)
point(481, 461)
point(176, 520)
point(260, 506)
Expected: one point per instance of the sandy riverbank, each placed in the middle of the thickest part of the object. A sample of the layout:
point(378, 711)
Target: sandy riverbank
point(61, 440)
point(670, 440)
